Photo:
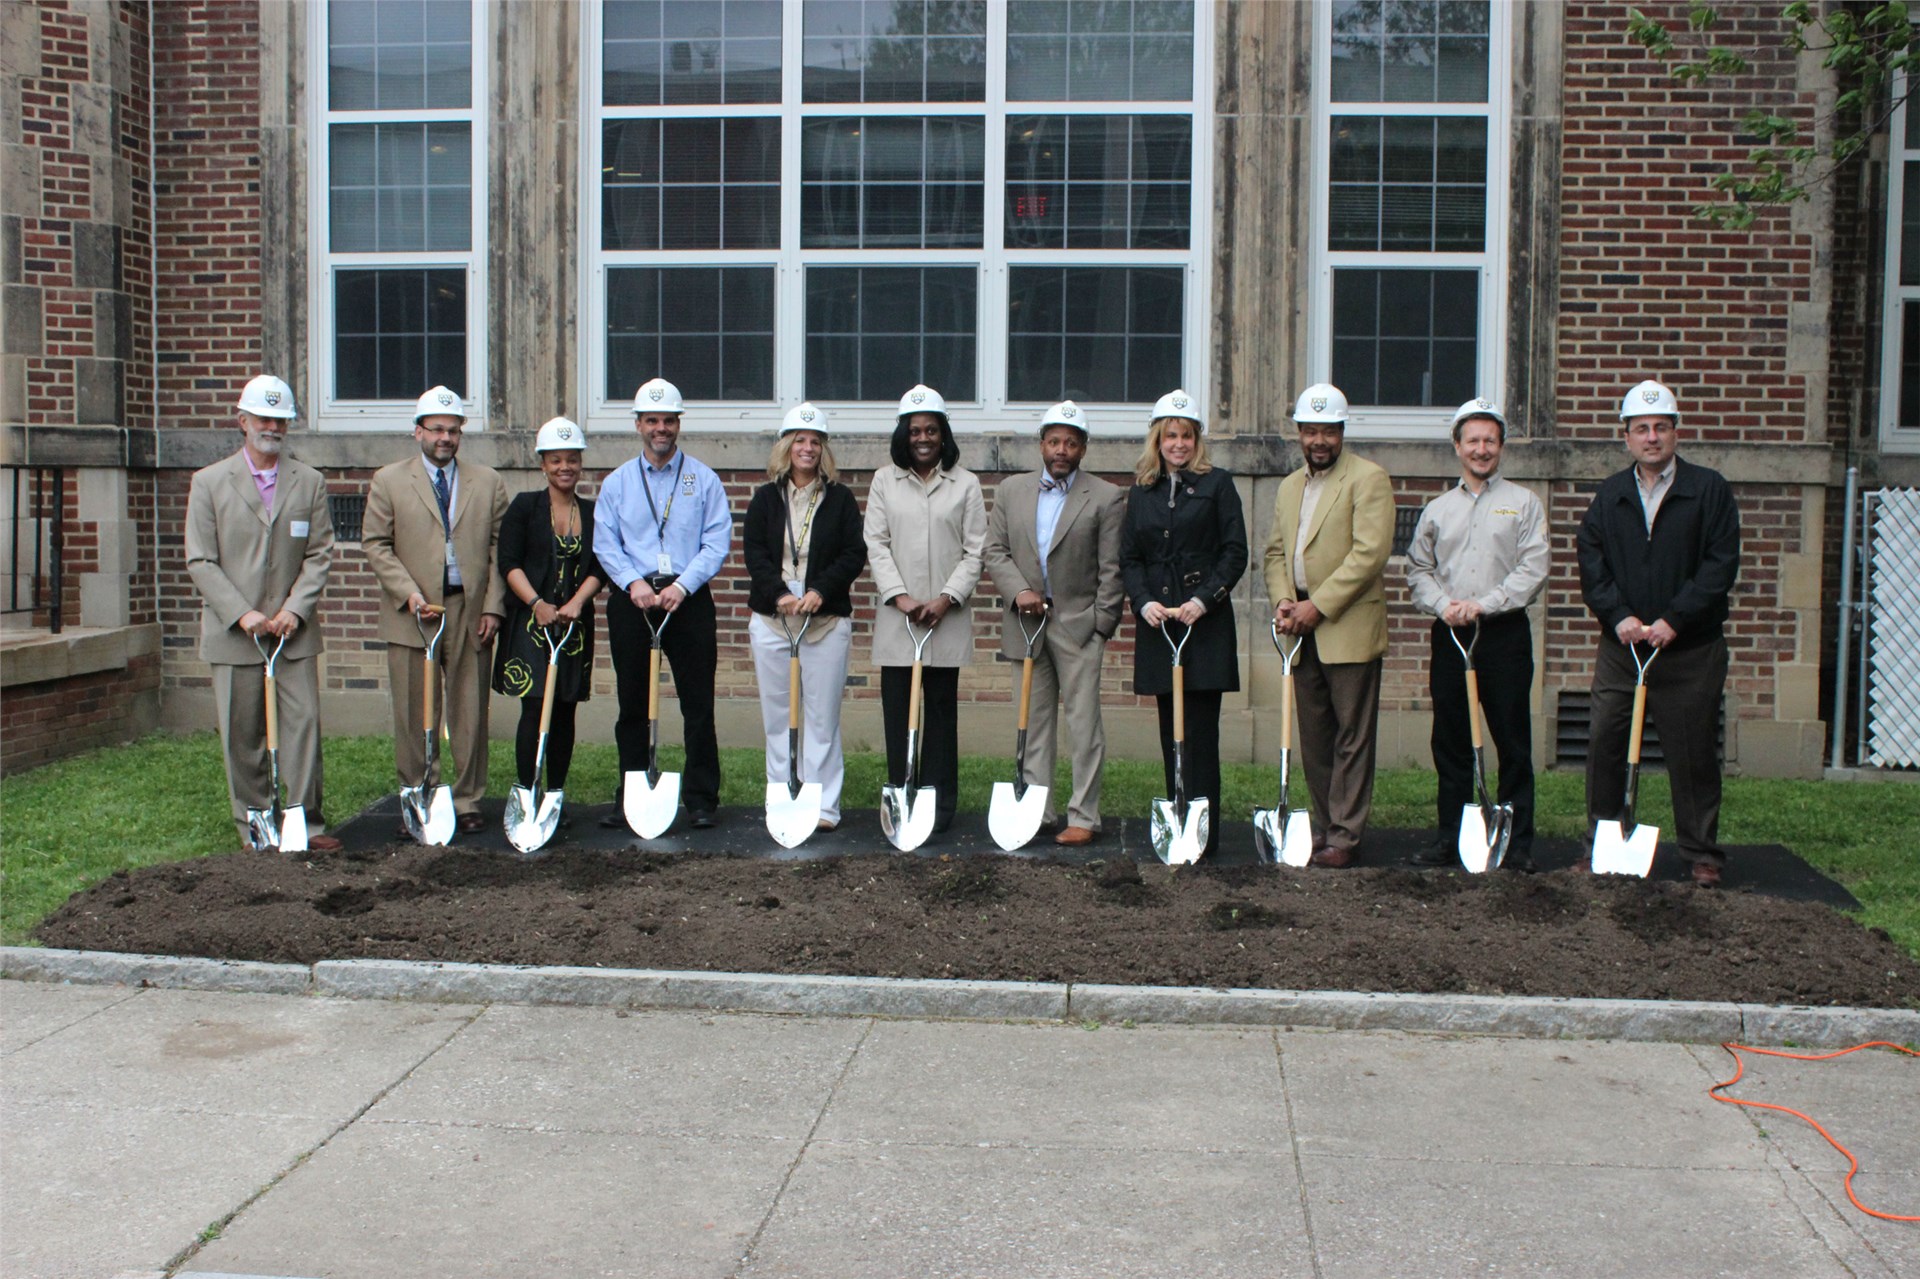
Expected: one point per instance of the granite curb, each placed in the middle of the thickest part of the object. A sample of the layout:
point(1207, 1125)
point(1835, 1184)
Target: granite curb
point(1673, 1021)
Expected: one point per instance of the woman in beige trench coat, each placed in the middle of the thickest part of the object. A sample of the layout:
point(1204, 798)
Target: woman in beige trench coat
point(926, 526)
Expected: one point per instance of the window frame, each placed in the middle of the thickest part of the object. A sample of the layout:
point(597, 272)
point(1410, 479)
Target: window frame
point(1399, 421)
point(324, 411)
point(1893, 437)
point(991, 410)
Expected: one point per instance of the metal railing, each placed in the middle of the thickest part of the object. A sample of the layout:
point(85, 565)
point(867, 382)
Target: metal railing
point(36, 517)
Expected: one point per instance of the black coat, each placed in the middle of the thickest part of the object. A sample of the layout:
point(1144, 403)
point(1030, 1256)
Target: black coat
point(836, 548)
point(526, 543)
point(1682, 572)
point(1195, 548)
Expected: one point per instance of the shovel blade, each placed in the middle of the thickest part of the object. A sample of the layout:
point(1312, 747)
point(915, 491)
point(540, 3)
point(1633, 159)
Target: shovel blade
point(1619, 852)
point(906, 817)
point(263, 834)
point(792, 818)
point(1014, 819)
point(531, 823)
point(1179, 842)
point(1474, 845)
point(650, 807)
point(413, 812)
point(1296, 843)
point(293, 829)
point(437, 821)
point(1267, 834)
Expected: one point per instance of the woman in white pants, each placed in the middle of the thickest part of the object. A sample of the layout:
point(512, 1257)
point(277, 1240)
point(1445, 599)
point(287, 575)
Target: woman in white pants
point(804, 549)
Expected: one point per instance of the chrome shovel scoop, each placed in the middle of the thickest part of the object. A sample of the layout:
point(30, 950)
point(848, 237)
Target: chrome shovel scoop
point(651, 798)
point(533, 812)
point(427, 809)
point(1180, 825)
point(793, 806)
point(1486, 828)
point(1284, 834)
point(274, 826)
point(1017, 808)
point(1622, 847)
point(906, 812)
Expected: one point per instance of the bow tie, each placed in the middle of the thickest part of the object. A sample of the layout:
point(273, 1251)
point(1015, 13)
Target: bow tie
point(1048, 486)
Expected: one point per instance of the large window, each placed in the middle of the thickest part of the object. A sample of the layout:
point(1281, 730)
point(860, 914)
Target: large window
point(1900, 345)
point(835, 199)
point(399, 216)
point(1409, 265)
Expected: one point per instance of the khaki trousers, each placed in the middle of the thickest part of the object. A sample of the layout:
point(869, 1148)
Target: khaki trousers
point(462, 664)
point(1070, 674)
point(1339, 704)
point(239, 699)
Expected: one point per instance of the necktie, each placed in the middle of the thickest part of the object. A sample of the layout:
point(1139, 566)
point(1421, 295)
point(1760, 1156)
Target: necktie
point(440, 491)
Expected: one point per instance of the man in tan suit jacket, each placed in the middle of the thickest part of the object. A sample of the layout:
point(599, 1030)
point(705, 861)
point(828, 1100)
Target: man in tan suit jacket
point(431, 531)
point(1326, 558)
point(1074, 581)
point(259, 544)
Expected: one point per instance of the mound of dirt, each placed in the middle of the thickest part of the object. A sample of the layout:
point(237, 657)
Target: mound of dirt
point(1002, 918)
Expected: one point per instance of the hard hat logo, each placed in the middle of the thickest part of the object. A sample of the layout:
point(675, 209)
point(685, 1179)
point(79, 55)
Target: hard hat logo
point(1069, 411)
point(1651, 395)
point(807, 415)
point(1181, 402)
point(446, 398)
point(1319, 404)
point(655, 394)
point(273, 397)
point(1483, 404)
point(918, 397)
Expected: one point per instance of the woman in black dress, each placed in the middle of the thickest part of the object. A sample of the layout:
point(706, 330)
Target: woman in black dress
point(546, 555)
point(1182, 550)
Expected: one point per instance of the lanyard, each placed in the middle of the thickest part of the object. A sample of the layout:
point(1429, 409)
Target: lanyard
point(646, 486)
point(795, 543)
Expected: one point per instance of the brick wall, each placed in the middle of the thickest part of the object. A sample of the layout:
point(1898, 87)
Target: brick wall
point(49, 721)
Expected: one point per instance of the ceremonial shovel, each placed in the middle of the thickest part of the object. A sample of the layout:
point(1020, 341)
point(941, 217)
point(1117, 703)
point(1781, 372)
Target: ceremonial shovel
point(793, 806)
point(533, 812)
point(427, 809)
point(1284, 834)
point(651, 798)
point(906, 812)
point(274, 826)
point(1485, 829)
point(1615, 852)
point(1017, 809)
point(1179, 824)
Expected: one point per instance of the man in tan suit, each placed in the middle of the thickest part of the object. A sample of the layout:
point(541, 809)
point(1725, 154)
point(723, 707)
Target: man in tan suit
point(1053, 549)
point(431, 531)
point(1332, 533)
point(259, 544)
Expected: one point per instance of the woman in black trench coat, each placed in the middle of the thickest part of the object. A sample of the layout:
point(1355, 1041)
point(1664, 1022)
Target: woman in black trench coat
point(1183, 549)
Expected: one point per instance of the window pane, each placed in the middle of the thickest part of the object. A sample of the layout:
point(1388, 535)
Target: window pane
point(1101, 334)
point(399, 331)
point(894, 51)
point(892, 183)
point(690, 184)
point(1910, 220)
point(1127, 181)
point(1909, 364)
point(1407, 183)
point(1406, 337)
point(690, 51)
point(397, 55)
point(1410, 50)
point(708, 330)
point(872, 332)
point(400, 188)
point(1099, 50)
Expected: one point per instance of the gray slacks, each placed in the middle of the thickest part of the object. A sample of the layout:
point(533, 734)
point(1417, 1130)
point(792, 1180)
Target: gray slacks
point(1339, 711)
point(240, 704)
point(461, 697)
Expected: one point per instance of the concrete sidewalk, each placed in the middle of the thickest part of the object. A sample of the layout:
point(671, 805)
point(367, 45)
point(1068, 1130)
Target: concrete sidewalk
point(304, 1136)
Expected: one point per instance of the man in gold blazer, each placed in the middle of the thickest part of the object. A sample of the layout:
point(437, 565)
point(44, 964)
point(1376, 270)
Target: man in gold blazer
point(1326, 557)
point(431, 532)
point(1053, 549)
point(259, 544)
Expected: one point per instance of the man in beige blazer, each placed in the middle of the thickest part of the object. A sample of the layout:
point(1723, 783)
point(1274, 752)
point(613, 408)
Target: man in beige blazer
point(431, 532)
point(1053, 550)
point(259, 544)
point(1326, 557)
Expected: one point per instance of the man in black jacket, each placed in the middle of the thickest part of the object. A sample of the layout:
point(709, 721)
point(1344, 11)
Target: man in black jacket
point(1659, 552)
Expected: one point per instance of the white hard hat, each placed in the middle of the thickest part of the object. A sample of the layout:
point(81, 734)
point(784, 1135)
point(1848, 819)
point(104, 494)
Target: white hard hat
point(1321, 402)
point(438, 401)
point(923, 399)
point(1649, 398)
point(1480, 407)
point(560, 433)
point(657, 395)
point(267, 396)
point(805, 417)
point(1065, 413)
point(1179, 404)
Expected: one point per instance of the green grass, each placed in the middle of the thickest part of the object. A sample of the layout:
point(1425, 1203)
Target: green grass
point(71, 824)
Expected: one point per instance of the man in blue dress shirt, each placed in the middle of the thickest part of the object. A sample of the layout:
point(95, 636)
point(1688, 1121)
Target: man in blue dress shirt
point(661, 530)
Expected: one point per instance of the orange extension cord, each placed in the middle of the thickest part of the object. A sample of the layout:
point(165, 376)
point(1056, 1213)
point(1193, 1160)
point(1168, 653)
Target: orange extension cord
point(1853, 1165)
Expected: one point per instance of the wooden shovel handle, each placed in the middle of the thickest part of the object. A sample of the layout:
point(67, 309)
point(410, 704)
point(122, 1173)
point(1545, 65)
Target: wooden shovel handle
point(546, 697)
point(1026, 691)
point(653, 683)
point(913, 700)
point(793, 691)
point(1639, 723)
point(273, 715)
point(1473, 704)
point(1179, 703)
point(426, 693)
point(1286, 711)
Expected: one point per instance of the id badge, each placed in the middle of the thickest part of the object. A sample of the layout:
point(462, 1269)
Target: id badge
point(795, 587)
point(450, 560)
point(665, 563)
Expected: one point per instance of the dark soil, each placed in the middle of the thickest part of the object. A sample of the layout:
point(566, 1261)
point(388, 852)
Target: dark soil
point(1001, 918)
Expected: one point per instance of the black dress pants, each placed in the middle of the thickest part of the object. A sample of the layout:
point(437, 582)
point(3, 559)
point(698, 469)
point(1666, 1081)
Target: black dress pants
point(1202, 753)
point(691, 648)
point(1503, 657)
point(939, 735)
point(1684, 686)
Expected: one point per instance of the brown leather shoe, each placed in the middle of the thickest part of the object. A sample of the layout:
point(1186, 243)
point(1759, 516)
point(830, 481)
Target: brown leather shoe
point(1706, 874)
point(1073, 836)
point(323, 844)
point(471, 823)
point(1332, 858)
